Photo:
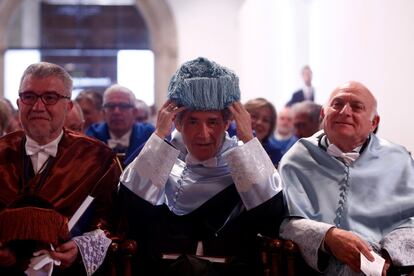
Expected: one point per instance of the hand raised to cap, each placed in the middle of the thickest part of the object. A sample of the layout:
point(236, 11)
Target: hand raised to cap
point(243, 122)
point(165, 119)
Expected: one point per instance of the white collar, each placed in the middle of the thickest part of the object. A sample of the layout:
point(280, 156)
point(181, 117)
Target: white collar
point(347, 157)
point(39, 154)
point(192, 161)
point(33, 147)
point(122, 141)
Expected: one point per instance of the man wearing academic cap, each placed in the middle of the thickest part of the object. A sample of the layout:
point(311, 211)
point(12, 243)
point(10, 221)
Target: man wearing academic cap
point(202, 191)
point(46, 172)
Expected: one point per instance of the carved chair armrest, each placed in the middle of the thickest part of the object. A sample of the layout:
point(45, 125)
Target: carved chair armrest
point(282, 257)
point(120, 253)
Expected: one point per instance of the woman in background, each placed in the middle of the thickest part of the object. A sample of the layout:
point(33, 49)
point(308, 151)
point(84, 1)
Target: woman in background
point(263, 116)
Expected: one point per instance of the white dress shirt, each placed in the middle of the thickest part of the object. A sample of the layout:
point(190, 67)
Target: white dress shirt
point(39, 154)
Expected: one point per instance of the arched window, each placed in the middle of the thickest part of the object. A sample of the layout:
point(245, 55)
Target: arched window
point(97, 44)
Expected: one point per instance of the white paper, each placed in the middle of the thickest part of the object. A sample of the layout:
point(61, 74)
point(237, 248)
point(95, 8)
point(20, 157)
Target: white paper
point(85, 204)
point(41, 264)
point(372, 268)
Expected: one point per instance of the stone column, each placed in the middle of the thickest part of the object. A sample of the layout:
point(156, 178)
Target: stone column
point(7, 10)
point(163, 40)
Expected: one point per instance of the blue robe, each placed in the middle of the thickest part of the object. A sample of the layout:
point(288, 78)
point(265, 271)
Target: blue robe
point(372, 197)
point(270, 145)
point(139, 135)
point(285, 145)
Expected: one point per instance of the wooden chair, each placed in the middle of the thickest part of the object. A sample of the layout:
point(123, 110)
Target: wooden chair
point(118, 261)
point(279, 257)
point(283, 258)
point(120, 257)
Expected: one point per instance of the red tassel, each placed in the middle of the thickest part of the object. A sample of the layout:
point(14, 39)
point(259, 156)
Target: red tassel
point(33, 223)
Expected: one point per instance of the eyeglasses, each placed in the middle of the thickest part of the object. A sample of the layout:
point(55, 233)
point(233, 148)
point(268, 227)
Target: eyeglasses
point(121, 106)
point(48, 98)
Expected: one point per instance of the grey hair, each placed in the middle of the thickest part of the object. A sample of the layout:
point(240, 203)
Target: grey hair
point(5, 114)
point(77, 107)
point(119, 88)
point(92, 96)
point(42, 70)
point(313, 110)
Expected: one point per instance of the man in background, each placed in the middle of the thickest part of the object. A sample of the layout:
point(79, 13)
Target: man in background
point(74, 119)
point(306, 118)
point(91, 103)
point(119, 129)
point(307, 93)
point(5, 115)
point(284, 134)
point(143, 112)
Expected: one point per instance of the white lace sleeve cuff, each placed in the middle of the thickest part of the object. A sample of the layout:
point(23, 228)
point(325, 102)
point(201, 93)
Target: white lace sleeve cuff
point(308, 235)
point(154, 162)
point(400, 246)
point(93, 247)
point(254, 175)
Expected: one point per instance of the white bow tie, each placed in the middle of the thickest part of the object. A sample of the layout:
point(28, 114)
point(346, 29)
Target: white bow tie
point(33, 148)
point(123, 142)
point(190, 160)
point(347, 157)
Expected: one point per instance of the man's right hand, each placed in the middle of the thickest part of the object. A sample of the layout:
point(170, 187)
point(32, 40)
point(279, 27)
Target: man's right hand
point(165, 118)
point(7, 258)
point(346, 247)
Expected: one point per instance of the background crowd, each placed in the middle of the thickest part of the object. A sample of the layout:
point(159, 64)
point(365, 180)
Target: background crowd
point(210, 178)
point(124, 122)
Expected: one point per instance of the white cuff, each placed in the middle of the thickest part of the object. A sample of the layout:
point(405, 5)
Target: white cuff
point(249, 164)
point(308, 235)
point(93, 247)
point(400, 246)
point(156, 160)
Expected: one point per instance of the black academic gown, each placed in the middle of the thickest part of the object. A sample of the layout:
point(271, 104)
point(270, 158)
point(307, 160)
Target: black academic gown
point(158, 231)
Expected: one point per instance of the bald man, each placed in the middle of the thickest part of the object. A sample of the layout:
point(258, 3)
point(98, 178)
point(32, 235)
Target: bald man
point(349, 193)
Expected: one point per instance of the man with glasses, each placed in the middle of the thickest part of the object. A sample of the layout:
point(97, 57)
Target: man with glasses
point(46, 172)
point(119, 131)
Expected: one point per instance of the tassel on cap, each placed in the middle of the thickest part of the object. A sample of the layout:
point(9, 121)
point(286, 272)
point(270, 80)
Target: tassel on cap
point(202, 84)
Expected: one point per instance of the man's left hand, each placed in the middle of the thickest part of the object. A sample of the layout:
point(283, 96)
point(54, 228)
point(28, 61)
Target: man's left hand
point(65, 253)
point(243, 122)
